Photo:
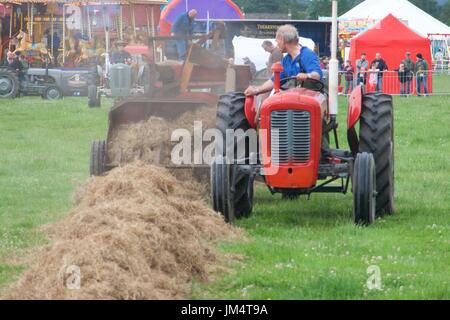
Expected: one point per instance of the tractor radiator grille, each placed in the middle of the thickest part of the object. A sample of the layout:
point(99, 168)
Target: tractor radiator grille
point(290, 136)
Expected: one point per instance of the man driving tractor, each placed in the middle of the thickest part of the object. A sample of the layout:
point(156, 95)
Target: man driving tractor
point(300, 62)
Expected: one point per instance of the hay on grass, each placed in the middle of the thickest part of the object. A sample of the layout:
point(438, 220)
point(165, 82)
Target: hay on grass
point(136, 233)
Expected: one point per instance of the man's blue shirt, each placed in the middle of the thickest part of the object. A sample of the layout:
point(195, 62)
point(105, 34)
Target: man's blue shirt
point(183, 25)
point(305, 62)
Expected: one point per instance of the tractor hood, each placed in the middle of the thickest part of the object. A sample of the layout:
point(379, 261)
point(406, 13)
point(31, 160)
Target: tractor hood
point(292, 121)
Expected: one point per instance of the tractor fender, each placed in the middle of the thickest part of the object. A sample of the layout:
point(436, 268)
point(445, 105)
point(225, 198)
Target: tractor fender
point(354, 107)
point(250, 111)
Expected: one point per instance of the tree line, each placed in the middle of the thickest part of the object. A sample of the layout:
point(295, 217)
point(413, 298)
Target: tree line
point(312, 9)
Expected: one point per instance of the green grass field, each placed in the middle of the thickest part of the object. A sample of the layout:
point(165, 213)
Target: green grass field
point(44, 154)
point(296, 250)
point(441, 83)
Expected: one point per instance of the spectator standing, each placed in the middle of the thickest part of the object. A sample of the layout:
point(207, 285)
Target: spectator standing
point(410, 66)
point(380, 66)
point(340, 66)
point(324, 62)
point(183, 27)
point(421, 74)
point(373, 78)
point(403, 75)
point(439, 60)
point(362, 65)
point(349, 75)
point(275, 54)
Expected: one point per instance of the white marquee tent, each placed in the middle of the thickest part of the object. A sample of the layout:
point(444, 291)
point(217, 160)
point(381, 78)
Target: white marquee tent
point(416, 18)
point(251, 48)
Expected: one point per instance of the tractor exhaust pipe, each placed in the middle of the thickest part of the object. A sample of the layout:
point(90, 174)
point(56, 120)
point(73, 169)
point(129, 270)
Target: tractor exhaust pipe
point(333, 66)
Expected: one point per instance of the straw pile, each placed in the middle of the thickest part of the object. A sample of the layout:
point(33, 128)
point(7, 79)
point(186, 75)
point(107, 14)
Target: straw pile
point(136, 233)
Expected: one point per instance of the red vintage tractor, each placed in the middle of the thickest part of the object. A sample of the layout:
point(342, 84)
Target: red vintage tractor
point(297, 159)
point(293, 154)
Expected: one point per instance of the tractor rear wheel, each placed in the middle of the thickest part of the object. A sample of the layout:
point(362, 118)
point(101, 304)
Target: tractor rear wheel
point(94, 97)
point(97, 161)
point(363, 184)
point(231, 116)
point(9, 83)
point(376, 136)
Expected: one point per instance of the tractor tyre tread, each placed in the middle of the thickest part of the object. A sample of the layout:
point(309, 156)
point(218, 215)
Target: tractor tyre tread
point(231, 115)
point(94, 98)
point(363, 185)
point(14, 76)
point(97, 161)
point(376, 135)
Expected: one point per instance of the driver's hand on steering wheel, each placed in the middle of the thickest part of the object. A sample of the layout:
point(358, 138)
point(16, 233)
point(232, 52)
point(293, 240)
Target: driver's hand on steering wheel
point(251, 91)
point(302, 76)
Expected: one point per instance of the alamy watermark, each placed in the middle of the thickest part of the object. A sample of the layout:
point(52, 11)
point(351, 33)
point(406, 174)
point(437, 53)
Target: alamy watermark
point(374, 280)
point(202, 146)
point(72, 277)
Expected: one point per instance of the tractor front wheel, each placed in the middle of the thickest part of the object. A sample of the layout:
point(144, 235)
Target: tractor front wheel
point(220, 188)
point(364, 193)
point(242, 189)
point(52, 93)
point(290, 195)
point(97, 162)
point(231, 189)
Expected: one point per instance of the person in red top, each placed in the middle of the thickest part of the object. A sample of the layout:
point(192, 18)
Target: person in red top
point(349, 76)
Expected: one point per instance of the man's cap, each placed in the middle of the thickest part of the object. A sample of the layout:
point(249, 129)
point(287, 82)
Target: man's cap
point(419, 55)
point(408, 53)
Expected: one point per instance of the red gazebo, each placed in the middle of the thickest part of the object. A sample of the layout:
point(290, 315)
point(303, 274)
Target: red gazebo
point(392, 38)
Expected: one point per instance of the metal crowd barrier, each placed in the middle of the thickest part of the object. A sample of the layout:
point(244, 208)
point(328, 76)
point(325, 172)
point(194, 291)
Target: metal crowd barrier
point(393, 82)
point(441, 66)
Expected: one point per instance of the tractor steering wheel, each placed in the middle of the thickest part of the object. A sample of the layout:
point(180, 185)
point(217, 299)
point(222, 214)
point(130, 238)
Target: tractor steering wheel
point(309, 83)
point(313, 84)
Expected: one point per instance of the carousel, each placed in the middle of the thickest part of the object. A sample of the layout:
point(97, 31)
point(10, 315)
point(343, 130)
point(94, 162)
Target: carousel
point(74, 34)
